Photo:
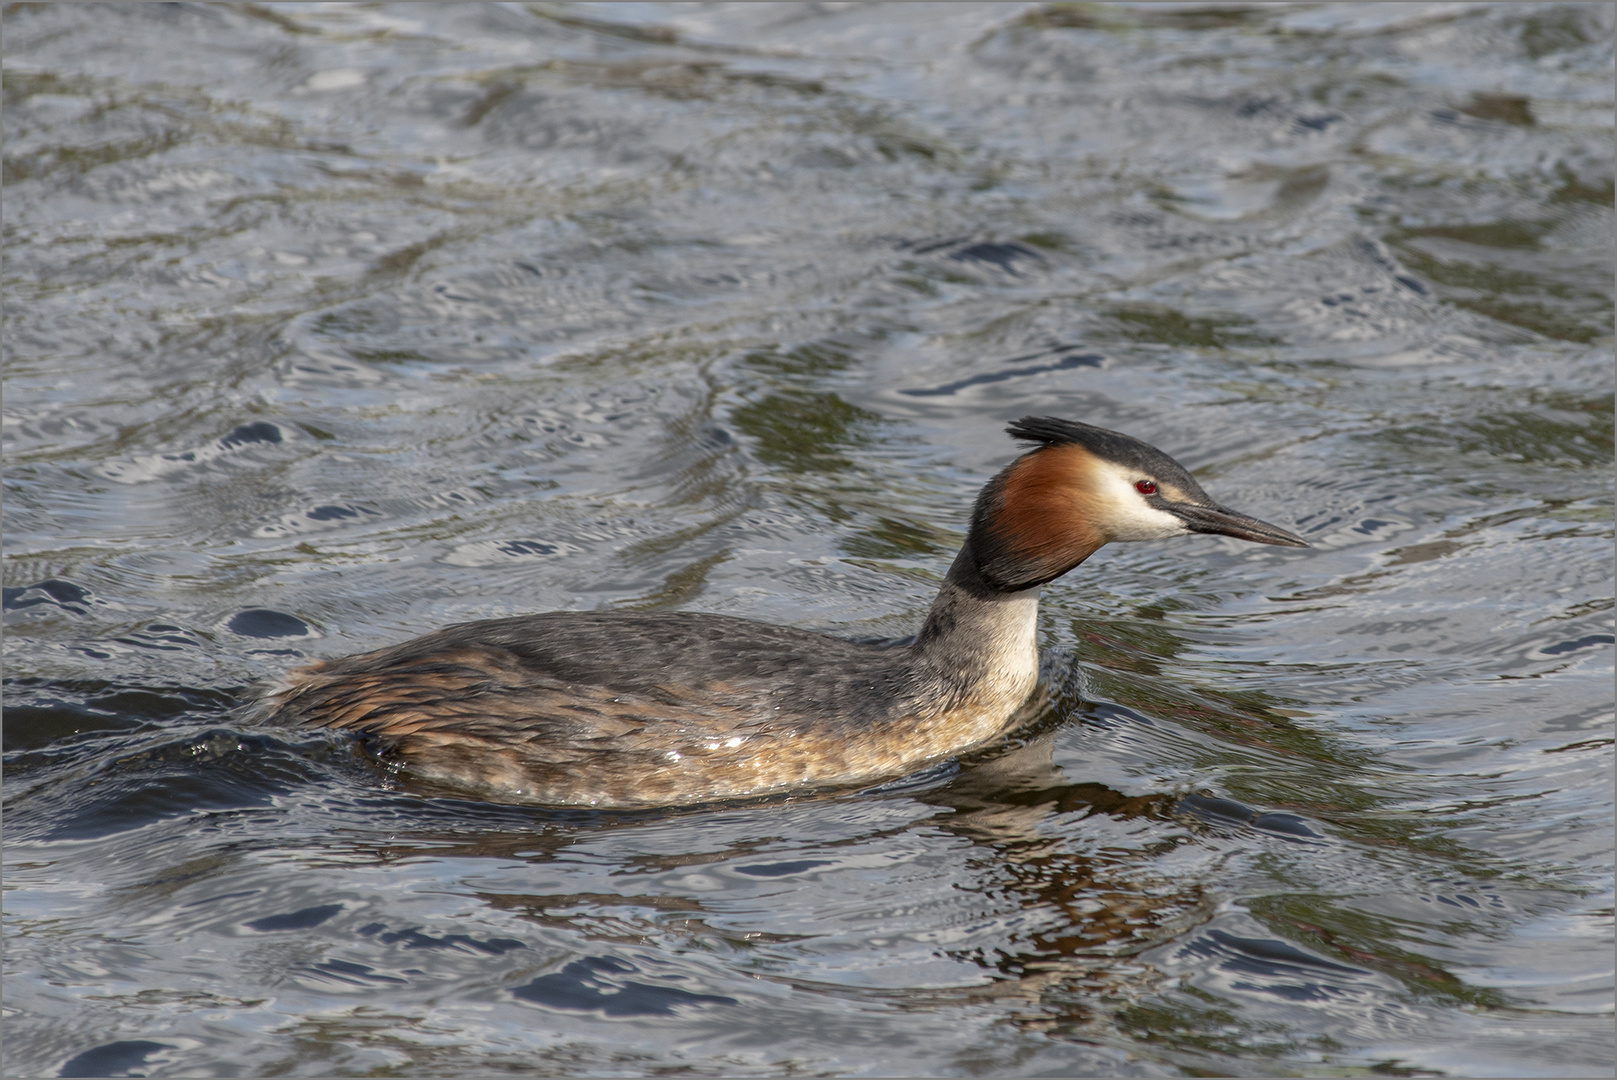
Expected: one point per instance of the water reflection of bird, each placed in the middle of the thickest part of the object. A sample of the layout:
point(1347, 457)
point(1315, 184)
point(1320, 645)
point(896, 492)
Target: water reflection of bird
point(628, 709)
point(1092, 898)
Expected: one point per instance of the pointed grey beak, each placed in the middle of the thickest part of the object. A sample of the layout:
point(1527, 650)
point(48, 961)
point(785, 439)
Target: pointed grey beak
point(1216, 519)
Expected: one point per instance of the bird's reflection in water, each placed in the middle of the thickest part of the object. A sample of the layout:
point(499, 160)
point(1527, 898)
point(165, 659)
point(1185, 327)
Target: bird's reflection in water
point(1093, 894)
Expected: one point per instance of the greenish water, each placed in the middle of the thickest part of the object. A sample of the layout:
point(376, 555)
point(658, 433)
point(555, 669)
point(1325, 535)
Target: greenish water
point(326, 325)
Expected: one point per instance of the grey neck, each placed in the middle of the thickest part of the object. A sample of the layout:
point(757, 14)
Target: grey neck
point(976, 633)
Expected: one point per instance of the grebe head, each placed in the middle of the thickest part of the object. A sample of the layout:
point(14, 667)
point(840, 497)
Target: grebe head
point(1082, 487)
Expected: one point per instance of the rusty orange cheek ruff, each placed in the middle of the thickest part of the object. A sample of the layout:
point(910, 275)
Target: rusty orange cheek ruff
point(1047, 511)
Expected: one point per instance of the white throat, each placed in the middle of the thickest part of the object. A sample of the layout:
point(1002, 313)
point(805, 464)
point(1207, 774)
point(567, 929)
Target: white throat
point(1126, 515)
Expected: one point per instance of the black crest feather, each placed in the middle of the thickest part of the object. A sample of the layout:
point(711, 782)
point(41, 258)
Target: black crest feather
point(1110, 445)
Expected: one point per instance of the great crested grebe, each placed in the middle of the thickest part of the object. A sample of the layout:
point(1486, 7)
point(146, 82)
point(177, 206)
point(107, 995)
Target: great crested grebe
point(630, 709)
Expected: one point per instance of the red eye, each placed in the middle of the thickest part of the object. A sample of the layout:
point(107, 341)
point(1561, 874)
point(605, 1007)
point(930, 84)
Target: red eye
point(1145, 487)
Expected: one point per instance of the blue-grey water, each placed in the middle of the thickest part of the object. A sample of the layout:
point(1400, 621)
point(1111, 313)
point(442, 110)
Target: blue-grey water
point(326, 325)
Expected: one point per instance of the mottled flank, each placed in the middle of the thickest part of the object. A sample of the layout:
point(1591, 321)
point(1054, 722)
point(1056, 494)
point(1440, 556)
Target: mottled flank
point(628, 709)
point(632, 709)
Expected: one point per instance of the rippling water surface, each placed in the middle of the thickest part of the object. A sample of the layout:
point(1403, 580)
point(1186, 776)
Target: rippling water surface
point(326, 325)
